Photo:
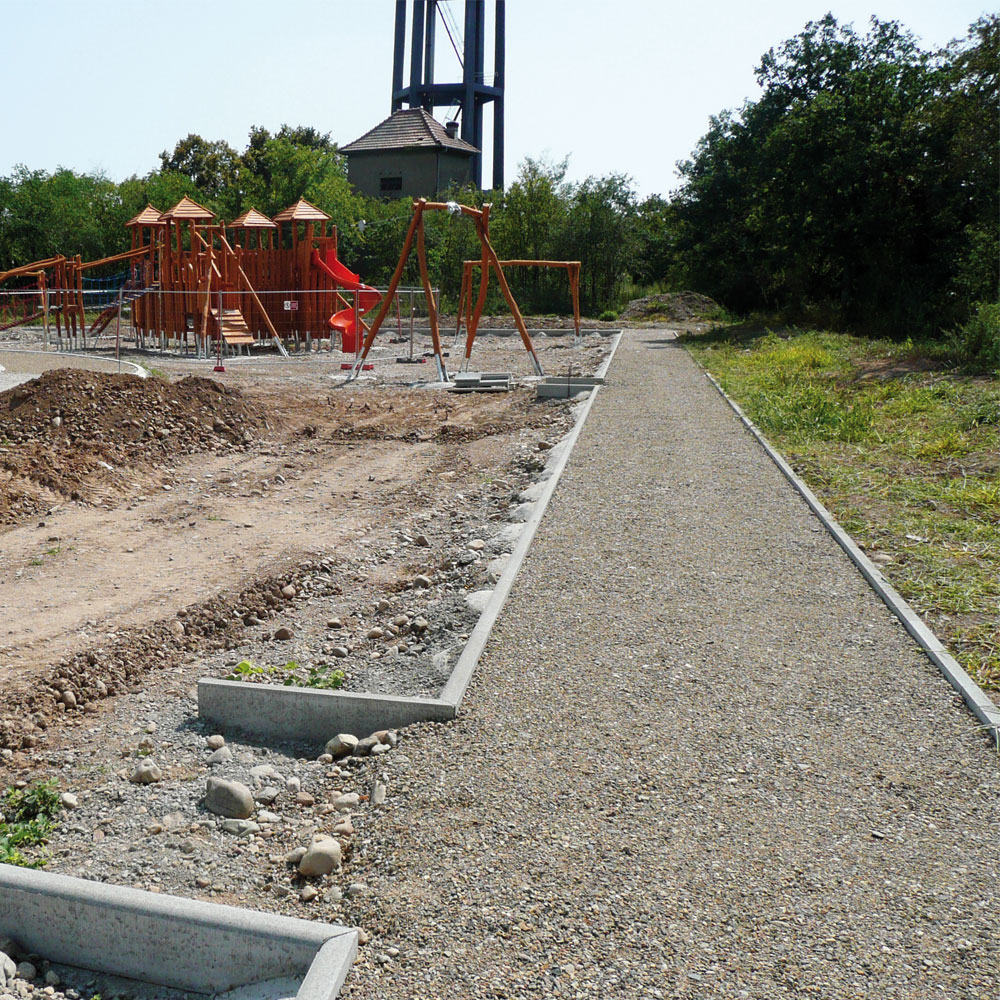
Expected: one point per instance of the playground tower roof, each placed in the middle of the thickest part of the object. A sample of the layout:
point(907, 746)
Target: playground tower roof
point(149, 216)
point(252, 219)
point(302, 211)
point(186, 208)
point(411, 128)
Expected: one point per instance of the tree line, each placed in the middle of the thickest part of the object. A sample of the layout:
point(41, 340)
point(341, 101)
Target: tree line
point(860, 190)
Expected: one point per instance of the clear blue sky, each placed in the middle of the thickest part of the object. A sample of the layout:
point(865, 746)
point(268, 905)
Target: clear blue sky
point(625, 87)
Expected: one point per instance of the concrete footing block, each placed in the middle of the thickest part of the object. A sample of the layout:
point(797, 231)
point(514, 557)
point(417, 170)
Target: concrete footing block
point(269, 711)
point(169, 941)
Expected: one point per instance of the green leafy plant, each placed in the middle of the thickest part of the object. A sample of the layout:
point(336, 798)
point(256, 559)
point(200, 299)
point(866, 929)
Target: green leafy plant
point(323, 676)
point(29, 818)
point(245, 669)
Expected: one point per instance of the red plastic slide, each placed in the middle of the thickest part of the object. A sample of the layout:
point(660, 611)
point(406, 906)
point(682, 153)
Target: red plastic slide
point(367, 300)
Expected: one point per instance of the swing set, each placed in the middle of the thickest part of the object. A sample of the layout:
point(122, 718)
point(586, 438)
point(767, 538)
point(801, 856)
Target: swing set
point(487, 262)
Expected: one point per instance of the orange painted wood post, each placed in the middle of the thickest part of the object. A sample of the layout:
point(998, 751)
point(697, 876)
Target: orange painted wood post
point(418, 208)
point(425, 280)
point(472, 327)
point(515, 311)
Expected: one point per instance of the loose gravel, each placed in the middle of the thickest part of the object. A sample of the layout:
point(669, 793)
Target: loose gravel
point(699, 757)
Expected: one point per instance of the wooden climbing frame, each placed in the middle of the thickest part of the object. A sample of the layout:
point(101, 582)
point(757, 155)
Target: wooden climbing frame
point(473, 314)
point(481, 218)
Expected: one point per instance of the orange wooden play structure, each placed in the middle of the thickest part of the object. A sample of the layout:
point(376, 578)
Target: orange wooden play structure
point(489, 260)
point(197, 281)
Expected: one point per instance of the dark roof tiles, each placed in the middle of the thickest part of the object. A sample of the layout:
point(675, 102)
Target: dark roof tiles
point(411, 128)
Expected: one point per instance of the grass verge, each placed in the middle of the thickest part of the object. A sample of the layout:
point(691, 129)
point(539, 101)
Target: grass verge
point(902, 447)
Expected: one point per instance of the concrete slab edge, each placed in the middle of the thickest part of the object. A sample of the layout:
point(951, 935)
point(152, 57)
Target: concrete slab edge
point(304, 715)
point(454, 690)
point(270, 711)
point(168, 940)
point(985, 711)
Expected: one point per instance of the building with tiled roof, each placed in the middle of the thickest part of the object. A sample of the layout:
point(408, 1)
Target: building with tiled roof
point(409, 154)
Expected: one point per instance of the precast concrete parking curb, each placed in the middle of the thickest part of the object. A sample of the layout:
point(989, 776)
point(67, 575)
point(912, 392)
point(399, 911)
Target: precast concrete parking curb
point(305, 715)
point(168, 940)
point(977, 700)
point(113, 365)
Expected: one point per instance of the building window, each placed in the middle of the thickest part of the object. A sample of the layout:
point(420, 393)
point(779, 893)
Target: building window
point(390, 185)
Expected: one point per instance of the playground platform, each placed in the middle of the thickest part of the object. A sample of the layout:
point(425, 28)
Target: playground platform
point(699, 758)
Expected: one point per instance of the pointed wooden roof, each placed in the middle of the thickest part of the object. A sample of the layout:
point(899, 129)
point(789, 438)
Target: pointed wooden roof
point(302, 211)
point(252, 219)
point(186, 208)
point(408, 128)
point(149, 216)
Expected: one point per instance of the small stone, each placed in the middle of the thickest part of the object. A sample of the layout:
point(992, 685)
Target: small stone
point(68, 699)
point(228, 798)
point(344, 827)
point(202, 882)
point(349, 800)
point(364, 747)
point(215, 742)
point(177, 628)
point(342, 745)
point(8, 967)
point(340, 652)
point(293, 784)
point(101, 688)
point(150, 727)
point(288, 590)
point(422, 541)
point(325, 758)
point(363, 936)
point(304, 799)
point(25, 970)
point(146, 773)
point(281, 891)
point(308, 894)
point(356, 889)
point(262, 771)
point(422, 581)
point(375, 633)
point(477, 545)
point(420, 625)
point(283, 633)
point(267, 795)
point(240, 827)
point(267, 817)
point(378, 794)
point(221, 756)
point(189, 845)
point(174, 820)
point(52, 978)
point(69, 800)
point(320, 858)
point(334, 623)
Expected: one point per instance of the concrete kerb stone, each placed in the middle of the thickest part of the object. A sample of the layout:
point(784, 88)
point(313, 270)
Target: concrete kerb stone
point(985, 711)
point(454, 690)
point(305, 715)
point(167, 940)
point(111, 365)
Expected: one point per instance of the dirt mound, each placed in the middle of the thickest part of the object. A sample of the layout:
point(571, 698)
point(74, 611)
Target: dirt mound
point(77, 435)
point(676, 307)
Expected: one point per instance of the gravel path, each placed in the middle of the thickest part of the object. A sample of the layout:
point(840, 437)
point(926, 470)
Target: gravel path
point(699, 757)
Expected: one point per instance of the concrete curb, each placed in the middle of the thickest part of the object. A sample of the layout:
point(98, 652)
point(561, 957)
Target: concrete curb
point(978, 702)
point(454, 690)
point(305, 715)
point(167, 940)
point(127, 367)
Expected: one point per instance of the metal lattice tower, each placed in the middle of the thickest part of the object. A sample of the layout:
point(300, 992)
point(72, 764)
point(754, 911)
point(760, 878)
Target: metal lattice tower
point(472, 92)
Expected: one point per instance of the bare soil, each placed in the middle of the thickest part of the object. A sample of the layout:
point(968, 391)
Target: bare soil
point(128, 506)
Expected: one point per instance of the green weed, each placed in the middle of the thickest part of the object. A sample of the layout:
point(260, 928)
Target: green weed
point(29, 816)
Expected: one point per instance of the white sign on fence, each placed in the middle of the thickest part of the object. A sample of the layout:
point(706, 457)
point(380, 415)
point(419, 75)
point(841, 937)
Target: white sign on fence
point(291, 305)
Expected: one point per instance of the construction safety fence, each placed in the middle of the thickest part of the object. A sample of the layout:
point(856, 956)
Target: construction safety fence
point(224, 322)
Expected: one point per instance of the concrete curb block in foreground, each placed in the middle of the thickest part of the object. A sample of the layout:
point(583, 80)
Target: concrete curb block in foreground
point(977, 700)
point(304, 715)
point(167, 940)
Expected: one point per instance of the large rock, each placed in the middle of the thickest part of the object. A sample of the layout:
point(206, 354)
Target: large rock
point(321, 857)
point(228, 798)
point(8, 968)
point(342, 745)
